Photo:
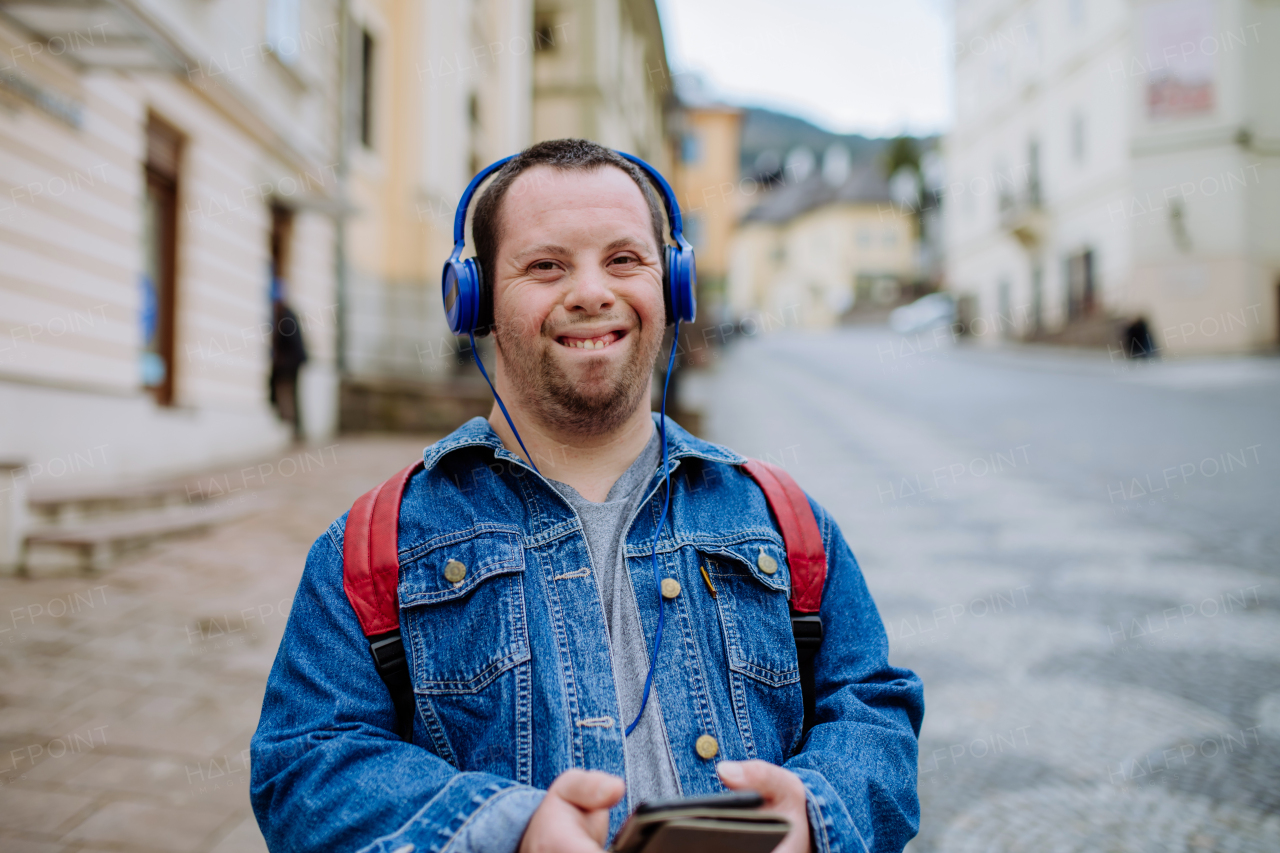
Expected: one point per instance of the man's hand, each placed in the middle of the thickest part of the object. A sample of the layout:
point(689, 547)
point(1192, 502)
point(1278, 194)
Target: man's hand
point(574, 816)
point(783, 793)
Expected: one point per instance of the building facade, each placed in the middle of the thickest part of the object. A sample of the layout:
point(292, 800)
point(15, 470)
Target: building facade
point(166, 168)
point(819, 245)
point(1118, 160)
point(443, 88)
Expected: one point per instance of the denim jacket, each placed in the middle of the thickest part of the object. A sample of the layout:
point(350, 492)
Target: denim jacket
point(512, 675)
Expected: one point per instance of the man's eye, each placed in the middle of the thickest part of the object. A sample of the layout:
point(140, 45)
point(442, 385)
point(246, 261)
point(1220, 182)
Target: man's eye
point(544, 266)
point(624, 259)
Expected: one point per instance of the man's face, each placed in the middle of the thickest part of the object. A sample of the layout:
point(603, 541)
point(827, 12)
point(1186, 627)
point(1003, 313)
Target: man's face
point(578, 298)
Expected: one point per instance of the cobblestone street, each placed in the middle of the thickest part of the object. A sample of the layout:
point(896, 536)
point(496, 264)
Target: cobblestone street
point(1102, 667)
point(1062, 549)
point(127, 699)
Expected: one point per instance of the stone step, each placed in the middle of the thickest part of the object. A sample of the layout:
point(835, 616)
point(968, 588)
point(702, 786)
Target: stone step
point(94, 544)
point(71, 506)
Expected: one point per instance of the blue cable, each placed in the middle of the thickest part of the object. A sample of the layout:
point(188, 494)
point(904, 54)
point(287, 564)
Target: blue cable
point(479, 364)
point(666, 504)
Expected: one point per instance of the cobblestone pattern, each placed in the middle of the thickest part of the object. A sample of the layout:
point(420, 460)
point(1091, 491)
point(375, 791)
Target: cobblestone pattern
point(127, 699)
point(1093, 681)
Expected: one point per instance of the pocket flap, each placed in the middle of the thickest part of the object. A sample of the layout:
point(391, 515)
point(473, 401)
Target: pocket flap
point(452, 566)
point(756, 556)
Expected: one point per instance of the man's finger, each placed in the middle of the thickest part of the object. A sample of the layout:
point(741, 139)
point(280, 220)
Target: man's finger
point(754, 775)
point(589, 790)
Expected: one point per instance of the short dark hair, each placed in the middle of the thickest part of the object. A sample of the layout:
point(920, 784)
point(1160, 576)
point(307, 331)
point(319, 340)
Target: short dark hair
point(564, 154)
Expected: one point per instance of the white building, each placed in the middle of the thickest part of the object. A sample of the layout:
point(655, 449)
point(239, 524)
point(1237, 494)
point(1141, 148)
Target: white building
point(1113, 160)
point(160, 162)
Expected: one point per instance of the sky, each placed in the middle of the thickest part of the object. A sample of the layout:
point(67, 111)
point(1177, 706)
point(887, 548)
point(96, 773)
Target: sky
point(876, 67)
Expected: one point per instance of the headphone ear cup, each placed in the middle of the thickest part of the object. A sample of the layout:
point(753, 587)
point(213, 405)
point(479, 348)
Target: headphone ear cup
point(484, 298)
point(461, 295)
point(668, 277)
point(682, 278)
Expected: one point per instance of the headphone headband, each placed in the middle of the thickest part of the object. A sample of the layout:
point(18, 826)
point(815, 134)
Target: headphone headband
point(469, 306)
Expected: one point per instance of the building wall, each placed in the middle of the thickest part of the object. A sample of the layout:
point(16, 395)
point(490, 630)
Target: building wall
point(459, 85)
point(256, 132)
point(808, 269)
point(706, 181)
point(1074, 77)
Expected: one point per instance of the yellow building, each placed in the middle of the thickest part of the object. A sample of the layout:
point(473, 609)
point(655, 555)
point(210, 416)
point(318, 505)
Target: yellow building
point(817, 246)
point(712, 195)
point(440, 89)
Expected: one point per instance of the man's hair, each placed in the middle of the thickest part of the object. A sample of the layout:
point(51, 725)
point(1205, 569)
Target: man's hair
point(566, 155)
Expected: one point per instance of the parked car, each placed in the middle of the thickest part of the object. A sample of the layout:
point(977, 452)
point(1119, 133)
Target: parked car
point(936, 309)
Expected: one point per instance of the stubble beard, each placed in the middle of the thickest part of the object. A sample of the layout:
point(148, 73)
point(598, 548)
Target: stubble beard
point(560, 404)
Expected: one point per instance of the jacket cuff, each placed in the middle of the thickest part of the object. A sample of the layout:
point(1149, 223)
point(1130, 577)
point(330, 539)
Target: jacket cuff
point(831, 829)
point(474, 813)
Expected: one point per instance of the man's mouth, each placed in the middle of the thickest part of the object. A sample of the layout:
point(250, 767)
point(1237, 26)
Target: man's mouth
point(597, 342)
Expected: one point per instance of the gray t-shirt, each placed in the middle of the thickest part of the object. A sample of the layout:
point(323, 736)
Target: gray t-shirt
point(651, 775)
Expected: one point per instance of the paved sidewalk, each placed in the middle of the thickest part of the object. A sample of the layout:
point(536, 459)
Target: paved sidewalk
point(127, 698)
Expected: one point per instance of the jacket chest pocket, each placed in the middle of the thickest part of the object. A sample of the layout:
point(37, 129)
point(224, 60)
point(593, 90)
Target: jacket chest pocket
point(462, 605)
point(752, 583)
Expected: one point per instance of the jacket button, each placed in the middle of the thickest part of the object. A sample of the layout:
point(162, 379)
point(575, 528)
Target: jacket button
point(670, 587)
point(767, 564)
point(455, 571)
point(707, 747)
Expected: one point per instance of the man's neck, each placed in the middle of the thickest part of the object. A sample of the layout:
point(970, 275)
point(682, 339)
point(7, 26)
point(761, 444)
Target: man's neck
point(590, 463)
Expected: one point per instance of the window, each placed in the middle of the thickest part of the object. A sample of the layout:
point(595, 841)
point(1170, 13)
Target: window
point(544, 31)
point(160, 248)
point(1075, 12)
point(1081, 287)
point(1077, 138)
point(284, 29)
point(693, 230)
point(366, 88)
point(690, 148)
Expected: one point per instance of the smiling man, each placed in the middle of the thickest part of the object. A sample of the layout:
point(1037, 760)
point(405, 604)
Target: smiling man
point(528, 606)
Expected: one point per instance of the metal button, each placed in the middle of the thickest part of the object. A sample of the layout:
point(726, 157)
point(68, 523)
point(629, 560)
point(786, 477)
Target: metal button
point(455, 571)
point(670, 587)
point(707, 747)
point(767, 564)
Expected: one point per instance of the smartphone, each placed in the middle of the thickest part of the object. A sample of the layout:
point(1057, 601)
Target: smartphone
point(730, 800)
point(719, 823)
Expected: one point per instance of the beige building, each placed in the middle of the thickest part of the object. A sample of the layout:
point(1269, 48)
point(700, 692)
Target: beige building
point(443, 88)
point(1114, 160)
point(707, 181)
point(820, 245)
point(159, 165)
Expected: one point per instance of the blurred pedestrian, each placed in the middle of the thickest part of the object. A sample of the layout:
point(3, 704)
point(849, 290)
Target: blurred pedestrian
point(1137, 340)
point(288, 354)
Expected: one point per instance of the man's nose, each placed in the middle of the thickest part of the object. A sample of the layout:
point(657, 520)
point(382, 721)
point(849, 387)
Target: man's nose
point(591, 291)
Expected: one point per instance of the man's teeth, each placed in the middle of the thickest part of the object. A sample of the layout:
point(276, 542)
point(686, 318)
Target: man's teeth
point(593, 343)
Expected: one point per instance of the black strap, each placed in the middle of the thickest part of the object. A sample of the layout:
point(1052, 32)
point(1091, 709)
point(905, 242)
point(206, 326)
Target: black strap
point(806, 628)
point(388, 657)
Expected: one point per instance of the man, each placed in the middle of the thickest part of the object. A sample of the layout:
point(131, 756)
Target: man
point(528, 604)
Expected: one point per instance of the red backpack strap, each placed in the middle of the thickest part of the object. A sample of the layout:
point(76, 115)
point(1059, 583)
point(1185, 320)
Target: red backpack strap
point(800, 534)
point(808, 561)
point(370, 577)
point(370, 561)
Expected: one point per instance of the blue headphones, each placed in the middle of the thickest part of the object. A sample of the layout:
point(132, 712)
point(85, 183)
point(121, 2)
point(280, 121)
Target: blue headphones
point(468, 305)
point(468, 298)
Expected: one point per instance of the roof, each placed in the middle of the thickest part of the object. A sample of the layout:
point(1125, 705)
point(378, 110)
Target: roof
point(866, 184)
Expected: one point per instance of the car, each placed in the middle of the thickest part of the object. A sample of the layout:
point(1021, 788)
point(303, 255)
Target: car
point(927, 312)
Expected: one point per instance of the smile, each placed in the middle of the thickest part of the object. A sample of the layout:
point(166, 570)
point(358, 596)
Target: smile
point(597, 342)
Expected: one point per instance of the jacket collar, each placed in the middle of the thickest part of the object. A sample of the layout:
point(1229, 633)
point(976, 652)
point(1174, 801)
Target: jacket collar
point(477, 433)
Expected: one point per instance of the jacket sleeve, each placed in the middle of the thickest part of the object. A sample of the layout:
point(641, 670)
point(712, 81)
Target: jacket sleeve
point(328, 771)
point(859, 760)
